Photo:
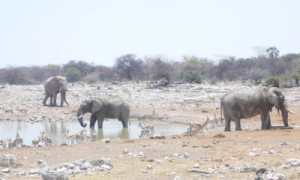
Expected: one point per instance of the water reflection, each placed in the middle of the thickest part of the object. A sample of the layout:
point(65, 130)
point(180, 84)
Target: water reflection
point(57, 130)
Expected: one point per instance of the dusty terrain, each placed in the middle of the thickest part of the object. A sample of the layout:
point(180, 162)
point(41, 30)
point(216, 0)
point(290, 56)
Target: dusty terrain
point(214, 155)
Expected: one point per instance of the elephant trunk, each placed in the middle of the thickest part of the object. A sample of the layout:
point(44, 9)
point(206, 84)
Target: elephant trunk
point(80, 118)
point(285, 116)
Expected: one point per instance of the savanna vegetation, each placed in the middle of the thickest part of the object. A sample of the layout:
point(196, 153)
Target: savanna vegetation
point(268, 68)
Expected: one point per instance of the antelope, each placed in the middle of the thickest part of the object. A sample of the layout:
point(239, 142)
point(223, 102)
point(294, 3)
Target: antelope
point(146, 129)
point(70, 137)
point(46, 139)
point(195, 127)
point(18, 140)
point(3, 143)
point(217, 121)
point(10, 143)
point(84, 136)
point(93, 135)
point(36, 141)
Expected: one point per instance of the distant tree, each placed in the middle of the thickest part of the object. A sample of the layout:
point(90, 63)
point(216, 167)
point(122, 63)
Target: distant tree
point(129, 67)
point(191, 69)
point(16, 75)
point(105, 73)
point(272, 53)
point(257, 75)
point(272, 81)
point(158, 68)
point(54, 70)
point(226, 70)
point(73, 74)
point(84, 67)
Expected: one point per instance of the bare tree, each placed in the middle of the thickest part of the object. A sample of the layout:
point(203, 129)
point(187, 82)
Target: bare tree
point(272, 53)
point(129, 67)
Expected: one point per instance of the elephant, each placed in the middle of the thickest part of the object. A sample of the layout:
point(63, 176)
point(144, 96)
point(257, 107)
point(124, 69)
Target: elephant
point(100, 108)
point(53, 86)
point(243, 103)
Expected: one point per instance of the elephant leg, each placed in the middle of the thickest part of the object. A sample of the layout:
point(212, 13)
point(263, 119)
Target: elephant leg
point(227, 122)
point(93, 121)
point(124, 119)
point(124, 122)
point(61, 100)
point(265, 120)
point(51, 100)
point(54, 99)
point(238, 124)
point(269, 123)
point(46, 98)
point(100, 120)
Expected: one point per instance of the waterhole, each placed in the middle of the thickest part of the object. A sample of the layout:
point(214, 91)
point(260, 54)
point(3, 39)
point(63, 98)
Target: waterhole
point(112, 129)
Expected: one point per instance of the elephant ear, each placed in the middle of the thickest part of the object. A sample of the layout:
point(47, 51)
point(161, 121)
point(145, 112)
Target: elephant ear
point(96, 106)
point(274, 99)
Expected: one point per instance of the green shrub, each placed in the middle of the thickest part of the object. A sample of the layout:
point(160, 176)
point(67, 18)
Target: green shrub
point(73, 74)
point(192, 76)
point(272, 81)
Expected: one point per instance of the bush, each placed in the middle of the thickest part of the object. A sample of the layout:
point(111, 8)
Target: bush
point(192, 76)
point(73, 74)
point(272, 81)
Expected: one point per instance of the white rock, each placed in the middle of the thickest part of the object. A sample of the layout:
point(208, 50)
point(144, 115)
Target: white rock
point(125, 151)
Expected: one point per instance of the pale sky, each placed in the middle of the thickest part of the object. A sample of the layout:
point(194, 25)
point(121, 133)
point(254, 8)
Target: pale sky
point(41, 32)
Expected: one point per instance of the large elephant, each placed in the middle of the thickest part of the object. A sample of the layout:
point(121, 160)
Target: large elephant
point(240, 104)
point(53, 86)
point(101, 108)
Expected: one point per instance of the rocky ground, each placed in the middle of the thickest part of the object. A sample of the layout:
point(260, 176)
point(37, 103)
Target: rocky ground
point(272, 154)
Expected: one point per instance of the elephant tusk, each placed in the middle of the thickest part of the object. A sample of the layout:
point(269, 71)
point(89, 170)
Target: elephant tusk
point(79, 117)
point(292, 112)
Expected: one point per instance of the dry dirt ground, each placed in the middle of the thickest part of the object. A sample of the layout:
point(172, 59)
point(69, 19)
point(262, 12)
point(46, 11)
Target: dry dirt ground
point(214, 155)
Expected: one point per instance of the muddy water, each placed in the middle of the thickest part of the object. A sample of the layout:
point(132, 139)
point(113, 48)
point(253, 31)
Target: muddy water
point(57, 130)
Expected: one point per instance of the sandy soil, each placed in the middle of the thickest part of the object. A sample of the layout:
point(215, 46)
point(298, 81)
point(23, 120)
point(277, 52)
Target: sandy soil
point(218, 154)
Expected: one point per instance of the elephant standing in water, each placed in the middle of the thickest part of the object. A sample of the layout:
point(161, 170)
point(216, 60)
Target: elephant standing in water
point(101, 108)
point(248, 103)
point(53, 86)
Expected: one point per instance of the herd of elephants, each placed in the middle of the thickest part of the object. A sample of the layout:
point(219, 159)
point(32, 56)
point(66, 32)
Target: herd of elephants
point(235, 105)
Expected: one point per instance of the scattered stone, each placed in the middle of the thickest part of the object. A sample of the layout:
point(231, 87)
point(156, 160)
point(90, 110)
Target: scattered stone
point(177, 178)
point(219, 136)
point(272, 151)
point(107, 140)
point(294, 162)
point(7, 160)
point(125, 151)
point(158, 137)
point(249, 168)
point(196, 170)
point(196, 166)
point(252, 154)
point(6, 170)
point(284, 143)
point(149, 167)
point(63, 171)
point(261, 171)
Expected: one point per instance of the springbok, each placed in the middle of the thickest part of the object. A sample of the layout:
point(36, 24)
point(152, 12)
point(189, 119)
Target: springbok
point(46, 139)
point(70, 137)
point(147, 130)
point(18, 140)
point(195, 127)
point(3, 143)
point(36, 141)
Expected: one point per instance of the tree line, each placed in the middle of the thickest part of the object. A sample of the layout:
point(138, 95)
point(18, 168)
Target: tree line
point(268, 69)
